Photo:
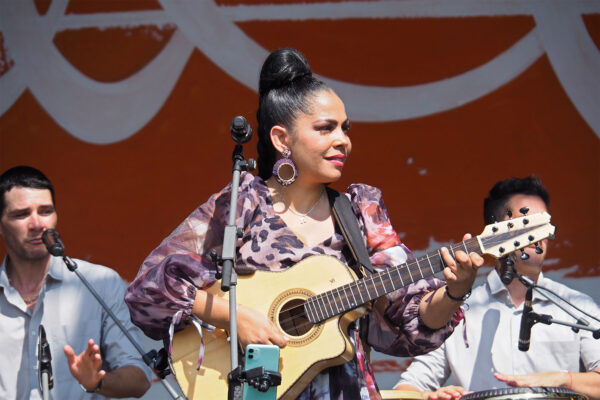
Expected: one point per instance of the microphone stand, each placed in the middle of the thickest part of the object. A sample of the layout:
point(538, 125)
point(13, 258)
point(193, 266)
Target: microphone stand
point(241, 133)
point(533, 318)
point(150, 357)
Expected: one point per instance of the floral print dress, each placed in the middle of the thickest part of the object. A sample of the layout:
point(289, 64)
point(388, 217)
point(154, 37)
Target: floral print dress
point(181, 264)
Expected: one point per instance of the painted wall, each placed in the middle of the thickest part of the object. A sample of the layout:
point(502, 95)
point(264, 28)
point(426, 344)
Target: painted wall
point(126, 105)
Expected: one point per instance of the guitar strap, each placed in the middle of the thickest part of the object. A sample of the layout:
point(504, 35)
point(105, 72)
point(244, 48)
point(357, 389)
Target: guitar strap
point(345, 217)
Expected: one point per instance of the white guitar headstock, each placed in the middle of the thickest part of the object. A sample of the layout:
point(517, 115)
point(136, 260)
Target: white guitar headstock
point(505, 237)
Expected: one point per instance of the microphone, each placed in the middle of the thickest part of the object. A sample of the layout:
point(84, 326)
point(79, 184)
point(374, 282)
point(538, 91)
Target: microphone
point(51, 239)
point(507, 267)
point(44, 362)
point(241, 132)
point(526, 322)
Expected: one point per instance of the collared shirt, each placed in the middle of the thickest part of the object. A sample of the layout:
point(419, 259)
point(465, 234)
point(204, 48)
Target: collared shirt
point(486, 341)
point(70, 315)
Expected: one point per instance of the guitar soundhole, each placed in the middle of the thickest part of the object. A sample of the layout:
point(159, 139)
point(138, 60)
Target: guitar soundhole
point(292, 318)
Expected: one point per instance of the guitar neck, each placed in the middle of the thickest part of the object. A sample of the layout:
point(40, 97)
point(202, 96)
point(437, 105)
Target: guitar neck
point(350, 296)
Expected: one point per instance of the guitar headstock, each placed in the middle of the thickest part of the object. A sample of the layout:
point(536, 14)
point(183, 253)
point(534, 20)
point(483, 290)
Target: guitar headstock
point(505, 237)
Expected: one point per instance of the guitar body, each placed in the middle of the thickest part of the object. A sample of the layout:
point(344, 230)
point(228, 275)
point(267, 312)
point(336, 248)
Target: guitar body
point(332, 295)
point(311, 349)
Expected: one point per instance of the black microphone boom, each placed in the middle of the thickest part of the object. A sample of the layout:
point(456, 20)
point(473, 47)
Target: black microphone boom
point(51, 239)
point(526, 321)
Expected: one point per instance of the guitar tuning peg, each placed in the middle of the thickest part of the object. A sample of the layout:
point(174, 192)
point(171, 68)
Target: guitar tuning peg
point(509, 213)
point(538, 249)
point(509, 261)
point(524, 256)
point(524, 210)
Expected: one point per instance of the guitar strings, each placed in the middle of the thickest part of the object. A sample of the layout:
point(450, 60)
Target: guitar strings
point(412, 267)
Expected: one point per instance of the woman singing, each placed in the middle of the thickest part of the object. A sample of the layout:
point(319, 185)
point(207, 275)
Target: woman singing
point(303, 145)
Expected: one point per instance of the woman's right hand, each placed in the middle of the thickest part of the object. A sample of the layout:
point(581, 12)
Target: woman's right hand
point(255, 328)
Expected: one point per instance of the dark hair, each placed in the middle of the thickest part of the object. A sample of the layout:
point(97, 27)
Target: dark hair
point(494, 205)
point(285, 88)
point(23, 176)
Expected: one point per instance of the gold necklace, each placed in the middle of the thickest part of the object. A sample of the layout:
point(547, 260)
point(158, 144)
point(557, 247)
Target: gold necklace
point(31, 300)
point(302, 219)
point(28, 300)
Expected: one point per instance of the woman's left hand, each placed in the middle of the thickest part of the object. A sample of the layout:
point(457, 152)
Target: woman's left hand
point(461, 270)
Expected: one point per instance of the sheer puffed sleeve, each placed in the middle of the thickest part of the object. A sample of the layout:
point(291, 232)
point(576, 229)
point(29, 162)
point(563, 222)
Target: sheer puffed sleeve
point(169, 277)
point(398, 330)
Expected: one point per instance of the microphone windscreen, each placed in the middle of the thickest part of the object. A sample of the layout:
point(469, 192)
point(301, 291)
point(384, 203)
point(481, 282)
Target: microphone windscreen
point(52, 241)
point(507, 273)
point(241, 132)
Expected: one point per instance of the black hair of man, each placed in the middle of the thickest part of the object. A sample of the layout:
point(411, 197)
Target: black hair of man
point(25, 177)
point(494, 206)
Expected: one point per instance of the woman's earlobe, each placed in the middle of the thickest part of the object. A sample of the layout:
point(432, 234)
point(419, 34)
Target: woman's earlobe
point(279, 138)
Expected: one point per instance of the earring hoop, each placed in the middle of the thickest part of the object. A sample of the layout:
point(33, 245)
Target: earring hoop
point(284, 170)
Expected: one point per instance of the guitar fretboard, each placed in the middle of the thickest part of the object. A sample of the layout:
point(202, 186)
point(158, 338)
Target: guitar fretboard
point(347, 297)
point(498, 239)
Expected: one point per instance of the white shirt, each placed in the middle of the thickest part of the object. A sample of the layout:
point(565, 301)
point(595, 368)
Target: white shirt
point(70, 315)
point(486, 341)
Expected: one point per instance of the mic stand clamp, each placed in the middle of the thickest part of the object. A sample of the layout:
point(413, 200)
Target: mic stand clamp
point(262, 380)
point(533, 318)
point(257, 377)
point(547, 319)
point(158, 361)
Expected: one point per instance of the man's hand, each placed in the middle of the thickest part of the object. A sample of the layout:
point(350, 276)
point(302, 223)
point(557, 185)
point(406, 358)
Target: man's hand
point(541, 379)
point(444, 393)
point(85, 367)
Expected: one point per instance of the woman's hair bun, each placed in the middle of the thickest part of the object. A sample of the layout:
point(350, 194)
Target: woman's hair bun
point(281, 68)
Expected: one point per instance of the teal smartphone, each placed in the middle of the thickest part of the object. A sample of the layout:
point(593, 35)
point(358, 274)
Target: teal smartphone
point(260, 355)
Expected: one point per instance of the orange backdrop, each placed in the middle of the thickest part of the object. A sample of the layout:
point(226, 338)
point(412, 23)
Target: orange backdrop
point(118, 200)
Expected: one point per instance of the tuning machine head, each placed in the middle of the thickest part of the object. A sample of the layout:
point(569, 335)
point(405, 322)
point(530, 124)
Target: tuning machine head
point(538, 249)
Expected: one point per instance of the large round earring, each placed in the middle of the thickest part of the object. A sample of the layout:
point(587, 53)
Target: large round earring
point(284, 170)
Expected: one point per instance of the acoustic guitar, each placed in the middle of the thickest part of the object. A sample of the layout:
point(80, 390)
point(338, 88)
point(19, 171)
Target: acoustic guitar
point(313, 303)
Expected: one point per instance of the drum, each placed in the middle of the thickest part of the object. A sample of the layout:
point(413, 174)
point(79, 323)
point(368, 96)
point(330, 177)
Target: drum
point(399, 394)
point(525, 393)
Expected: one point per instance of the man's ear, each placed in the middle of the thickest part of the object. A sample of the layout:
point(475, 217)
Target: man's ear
point(280, 137)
